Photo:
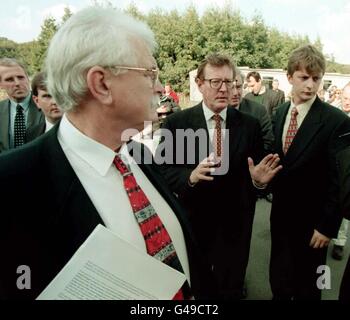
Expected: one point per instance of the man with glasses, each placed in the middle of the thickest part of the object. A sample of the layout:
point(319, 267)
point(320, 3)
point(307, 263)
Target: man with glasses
point(84, 170)
point(221, 206)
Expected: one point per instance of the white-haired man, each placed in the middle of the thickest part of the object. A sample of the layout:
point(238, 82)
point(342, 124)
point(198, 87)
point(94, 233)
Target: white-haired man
point(101, 72)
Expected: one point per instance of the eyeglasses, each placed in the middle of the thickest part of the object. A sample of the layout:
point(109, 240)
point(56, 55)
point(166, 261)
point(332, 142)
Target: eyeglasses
point(153, 73)
point(217, 83)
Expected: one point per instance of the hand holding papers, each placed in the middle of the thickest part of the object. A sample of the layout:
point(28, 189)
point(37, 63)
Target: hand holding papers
point(106, 267)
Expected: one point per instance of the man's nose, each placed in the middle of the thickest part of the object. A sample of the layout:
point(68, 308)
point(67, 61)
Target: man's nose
point(158, 88)
point(223, 87)
point(310, 83)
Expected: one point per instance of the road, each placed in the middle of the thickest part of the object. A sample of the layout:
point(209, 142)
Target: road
point(257, 272)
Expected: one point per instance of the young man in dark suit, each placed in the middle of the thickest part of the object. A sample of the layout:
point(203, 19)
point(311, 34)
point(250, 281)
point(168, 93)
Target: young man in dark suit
point(305, 209)
point(47, 104)
point(82, 169)
point(218, 191)
point(19, 112)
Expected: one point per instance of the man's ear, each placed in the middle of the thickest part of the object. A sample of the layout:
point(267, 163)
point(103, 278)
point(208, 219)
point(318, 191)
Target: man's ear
point(99, 84)
point(36, 100)
point(199, 84)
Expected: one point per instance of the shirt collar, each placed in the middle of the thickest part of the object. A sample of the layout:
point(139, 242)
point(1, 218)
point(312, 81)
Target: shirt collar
point(303, 108)
point(208, 114)
point(24, 104)
point(262, 91)
point(48, 125)
point(97, 155)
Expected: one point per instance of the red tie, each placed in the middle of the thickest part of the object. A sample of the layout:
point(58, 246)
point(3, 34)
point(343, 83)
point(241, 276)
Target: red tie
point(217, 140)
point(158, 241)
point(292, 130)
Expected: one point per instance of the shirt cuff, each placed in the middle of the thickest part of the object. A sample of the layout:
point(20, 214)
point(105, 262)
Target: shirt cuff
point(259, 186)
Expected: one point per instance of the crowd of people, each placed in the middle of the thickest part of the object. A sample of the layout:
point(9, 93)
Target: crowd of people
point(67, 164)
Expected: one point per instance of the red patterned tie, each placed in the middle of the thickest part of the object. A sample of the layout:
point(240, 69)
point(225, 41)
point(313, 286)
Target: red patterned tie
point(158, 241)
point(292, 130)
point(217, 140)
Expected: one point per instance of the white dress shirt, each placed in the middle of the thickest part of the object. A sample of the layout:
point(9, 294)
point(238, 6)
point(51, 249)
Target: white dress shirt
point(93, 165)
point(303, 110)
point(48, 125)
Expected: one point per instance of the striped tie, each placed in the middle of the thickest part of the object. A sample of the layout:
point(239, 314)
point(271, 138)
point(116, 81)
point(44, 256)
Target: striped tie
point(292, 130)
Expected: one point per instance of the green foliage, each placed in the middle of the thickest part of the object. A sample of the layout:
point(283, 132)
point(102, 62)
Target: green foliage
point(185, 39)
point(67, 14)
point(48, 29)
point(8, 48)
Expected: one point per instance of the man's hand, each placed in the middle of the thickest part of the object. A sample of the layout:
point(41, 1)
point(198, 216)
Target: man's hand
point(201, 171)
point(319, 240)
point(263, 172)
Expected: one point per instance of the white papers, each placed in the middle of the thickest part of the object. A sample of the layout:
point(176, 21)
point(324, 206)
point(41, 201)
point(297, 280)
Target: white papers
point(106, 267)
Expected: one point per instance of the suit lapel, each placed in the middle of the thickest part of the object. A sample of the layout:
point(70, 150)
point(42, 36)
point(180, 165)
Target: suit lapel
point(233, 124)
point(4, 127)
point(35, 116)
point(70, 197)
point(198, 122)
point(308, 129)
point(278, 128)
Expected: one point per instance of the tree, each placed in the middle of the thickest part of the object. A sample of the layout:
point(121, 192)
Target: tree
point(8, 48)
point(67, 14)
point(48, 29)
point(185, 39)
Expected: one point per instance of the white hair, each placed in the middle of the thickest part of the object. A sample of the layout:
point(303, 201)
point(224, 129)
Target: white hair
point(95, 36)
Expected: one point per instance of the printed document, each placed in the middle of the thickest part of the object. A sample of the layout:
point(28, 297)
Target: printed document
point(106, 267)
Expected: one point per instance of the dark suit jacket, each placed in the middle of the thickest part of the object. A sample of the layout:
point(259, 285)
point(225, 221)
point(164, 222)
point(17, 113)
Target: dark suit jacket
point(280, 96)
point(36, 131)
point(344, 168)
point(305, 198)
point(35, 116)
point(344, 174)
point(221, 210)
point(259, 112)
point(47, 215)
point(310, 168)
point(270, 100)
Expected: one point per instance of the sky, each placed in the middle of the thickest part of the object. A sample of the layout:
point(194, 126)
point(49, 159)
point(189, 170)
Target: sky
point(328, 19)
